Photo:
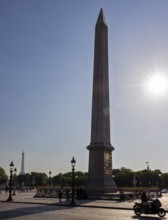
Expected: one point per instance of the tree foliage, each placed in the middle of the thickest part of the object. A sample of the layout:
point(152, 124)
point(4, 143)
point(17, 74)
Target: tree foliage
point(66, 179)
point(3, 176)
point(145, 178)
point(40, 179)
point(123, 177)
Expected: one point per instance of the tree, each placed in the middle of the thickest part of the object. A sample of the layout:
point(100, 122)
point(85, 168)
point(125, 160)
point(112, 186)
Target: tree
point(40, 179)
point(65, 179)
point(3, 176)
point(27, 179)
point(123, 177)
point(164, 180)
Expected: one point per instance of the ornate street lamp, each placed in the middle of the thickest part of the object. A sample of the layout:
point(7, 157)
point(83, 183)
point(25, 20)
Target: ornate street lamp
point(10, 182)
point(73, 161)
point(134, 181)
point(14, 183)
point(160, 184)
point(49, 180)
point(147, 163)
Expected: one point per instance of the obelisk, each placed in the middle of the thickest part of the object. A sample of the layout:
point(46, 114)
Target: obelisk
point(22, 171)
point(100, 149)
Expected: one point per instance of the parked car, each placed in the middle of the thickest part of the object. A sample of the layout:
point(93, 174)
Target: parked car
point(164, 191)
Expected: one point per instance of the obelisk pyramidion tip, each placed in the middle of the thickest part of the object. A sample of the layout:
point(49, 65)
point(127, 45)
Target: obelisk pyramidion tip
point(101, 18)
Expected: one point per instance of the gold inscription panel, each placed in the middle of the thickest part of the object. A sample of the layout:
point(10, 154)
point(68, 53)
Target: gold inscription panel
point(107, 163)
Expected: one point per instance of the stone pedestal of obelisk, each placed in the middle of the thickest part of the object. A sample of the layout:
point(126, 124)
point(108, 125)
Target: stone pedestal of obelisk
point(100, 149)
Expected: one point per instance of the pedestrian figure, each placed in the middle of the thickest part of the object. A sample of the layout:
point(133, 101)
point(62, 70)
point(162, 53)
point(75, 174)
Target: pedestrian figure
point(77, 193)
point(60, 196)
point(6, 189)
point(67, 195)
point(80, 193)
point(122, 196)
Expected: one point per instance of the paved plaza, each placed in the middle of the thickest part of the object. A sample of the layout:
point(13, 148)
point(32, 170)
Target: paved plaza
point(22, 211)
point(25, 206)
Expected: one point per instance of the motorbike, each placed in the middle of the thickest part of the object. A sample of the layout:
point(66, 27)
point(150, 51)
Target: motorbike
point(153, 207)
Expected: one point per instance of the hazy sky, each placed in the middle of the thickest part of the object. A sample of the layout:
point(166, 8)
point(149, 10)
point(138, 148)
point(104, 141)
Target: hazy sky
point(46, 71)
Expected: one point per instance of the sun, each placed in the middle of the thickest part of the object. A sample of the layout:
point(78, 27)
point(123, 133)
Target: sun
point(157, 85)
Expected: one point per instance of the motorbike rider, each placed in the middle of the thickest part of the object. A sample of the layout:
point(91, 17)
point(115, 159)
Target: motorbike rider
point(144, 197)
point(145, 200)
point(148, 206)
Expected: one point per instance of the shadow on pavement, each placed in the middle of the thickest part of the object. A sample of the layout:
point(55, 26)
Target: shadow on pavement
point(147, 217)
point(25, 211)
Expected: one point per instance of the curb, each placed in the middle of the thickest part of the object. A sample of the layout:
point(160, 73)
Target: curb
point(69, 205)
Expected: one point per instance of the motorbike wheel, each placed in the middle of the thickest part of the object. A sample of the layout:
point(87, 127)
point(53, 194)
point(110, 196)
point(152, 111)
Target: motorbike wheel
point(161, 213)
point(137, 211)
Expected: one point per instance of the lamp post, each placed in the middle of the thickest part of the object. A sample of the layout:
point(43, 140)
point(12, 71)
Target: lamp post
point(10, 182)
point(160, 184)
point(14, 183)
point(134, 181)
point(147, 163)
point(73, 161)
point(49, 180)
point(148, 173)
